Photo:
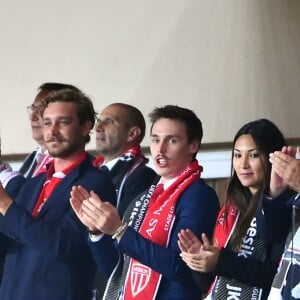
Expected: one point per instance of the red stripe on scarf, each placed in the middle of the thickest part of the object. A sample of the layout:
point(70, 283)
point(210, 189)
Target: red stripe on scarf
point(224, 227)
point(142, 282)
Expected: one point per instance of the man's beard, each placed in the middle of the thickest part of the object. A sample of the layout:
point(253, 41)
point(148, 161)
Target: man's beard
point(68, 150)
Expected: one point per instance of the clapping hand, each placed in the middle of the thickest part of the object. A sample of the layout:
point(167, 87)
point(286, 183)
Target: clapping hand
point(199, 256)
point(94, 213)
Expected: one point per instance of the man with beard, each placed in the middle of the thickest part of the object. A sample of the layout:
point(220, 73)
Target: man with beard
point(47, 255)
point(37, 159)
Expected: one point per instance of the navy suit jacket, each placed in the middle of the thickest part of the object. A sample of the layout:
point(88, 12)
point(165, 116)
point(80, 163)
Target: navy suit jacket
point(134, 184)
point(14, 186)
point(196, 209)
point(28, 165)
point(48, 257)
point(131, 178)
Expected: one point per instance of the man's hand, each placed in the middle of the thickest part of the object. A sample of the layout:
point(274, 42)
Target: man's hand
point(5, 201)
point(287, 167)
point(94, 213)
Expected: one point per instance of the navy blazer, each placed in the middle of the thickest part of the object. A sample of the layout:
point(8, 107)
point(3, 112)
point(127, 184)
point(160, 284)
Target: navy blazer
point(14, 186)
point(196, 209)
point(48, 257)
point(134, 184)
point(28, 165)
point(270, 211)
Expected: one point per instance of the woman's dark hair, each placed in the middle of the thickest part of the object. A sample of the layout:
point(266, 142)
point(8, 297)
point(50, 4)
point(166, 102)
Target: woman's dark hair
point(268, 138)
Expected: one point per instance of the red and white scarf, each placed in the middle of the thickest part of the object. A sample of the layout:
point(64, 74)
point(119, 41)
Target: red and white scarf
point(225, 226)
point(128, 154)
point(141, 281)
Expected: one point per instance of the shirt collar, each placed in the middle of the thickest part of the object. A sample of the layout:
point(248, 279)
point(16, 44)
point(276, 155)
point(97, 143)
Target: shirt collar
point(111, 163)
point(168, 182)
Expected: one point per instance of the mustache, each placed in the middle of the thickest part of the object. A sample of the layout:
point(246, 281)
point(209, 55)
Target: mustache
point(56, 139)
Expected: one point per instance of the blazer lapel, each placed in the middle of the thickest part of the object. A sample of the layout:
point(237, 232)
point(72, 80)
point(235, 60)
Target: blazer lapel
point(62, 191)
point(35, 185)
point(119, 170)
point(28, 165)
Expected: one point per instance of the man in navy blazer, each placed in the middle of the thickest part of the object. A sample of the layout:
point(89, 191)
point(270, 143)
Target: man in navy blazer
point(39, 156)
point(143, 250)
point(47, 254)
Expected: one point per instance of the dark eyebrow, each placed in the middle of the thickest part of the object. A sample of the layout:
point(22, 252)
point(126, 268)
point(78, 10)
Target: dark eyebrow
point(254, 149)
point(165, 137)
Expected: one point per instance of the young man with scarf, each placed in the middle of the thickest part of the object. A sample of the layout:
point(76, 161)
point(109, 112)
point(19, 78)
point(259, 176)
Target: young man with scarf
point(47, 254)
point(144, 255)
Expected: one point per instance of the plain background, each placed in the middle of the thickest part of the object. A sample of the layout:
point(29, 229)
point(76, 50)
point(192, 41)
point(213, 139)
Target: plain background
point(230, 61)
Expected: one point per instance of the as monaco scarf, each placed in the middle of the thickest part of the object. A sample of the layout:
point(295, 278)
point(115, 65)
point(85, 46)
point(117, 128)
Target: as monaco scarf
point(141, 281)
point(225, 225)
point(226, 288)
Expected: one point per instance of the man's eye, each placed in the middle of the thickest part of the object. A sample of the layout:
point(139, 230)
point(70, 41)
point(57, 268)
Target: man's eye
point(172, 141)
point(105, 122)
point(154, 140)
point(64, 122)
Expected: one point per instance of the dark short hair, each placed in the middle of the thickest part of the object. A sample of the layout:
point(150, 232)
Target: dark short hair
point(85, 108)
point(192, 123)
point(134, 118)
point(56, 86)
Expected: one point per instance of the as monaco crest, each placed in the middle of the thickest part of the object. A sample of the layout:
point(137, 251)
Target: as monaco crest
point(139, 278)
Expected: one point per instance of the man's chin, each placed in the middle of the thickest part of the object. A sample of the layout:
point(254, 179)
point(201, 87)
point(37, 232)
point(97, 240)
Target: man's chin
point(62, 152)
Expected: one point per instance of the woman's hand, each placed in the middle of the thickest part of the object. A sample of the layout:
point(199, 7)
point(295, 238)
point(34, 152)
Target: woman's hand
point(199, 256)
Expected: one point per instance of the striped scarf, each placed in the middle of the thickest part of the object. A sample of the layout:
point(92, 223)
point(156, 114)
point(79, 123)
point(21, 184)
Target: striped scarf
point(226, 288)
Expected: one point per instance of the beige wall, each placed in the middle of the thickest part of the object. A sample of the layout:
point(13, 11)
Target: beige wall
point(230, 61)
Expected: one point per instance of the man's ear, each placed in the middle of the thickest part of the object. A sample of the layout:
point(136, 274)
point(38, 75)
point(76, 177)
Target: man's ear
point(133, 134)
point(86, 127)
point(194, 146)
